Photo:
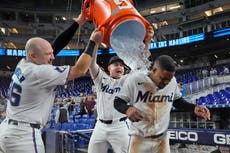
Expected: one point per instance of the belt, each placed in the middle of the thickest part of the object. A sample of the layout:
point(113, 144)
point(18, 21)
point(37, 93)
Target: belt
point(111, 121)
point(155, 136)
point(14, 122)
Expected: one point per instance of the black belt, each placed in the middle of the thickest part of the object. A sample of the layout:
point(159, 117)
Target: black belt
point(155, 136)
point(111, 121)
point(14, 122)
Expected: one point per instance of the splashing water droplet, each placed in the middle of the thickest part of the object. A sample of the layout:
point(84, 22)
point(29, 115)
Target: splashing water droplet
point(132, 52)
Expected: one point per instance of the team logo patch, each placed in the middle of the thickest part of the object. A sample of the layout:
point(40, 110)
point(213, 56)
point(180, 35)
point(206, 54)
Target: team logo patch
point(18, 73)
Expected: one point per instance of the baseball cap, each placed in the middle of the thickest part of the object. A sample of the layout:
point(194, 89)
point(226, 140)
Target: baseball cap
point(115, 59)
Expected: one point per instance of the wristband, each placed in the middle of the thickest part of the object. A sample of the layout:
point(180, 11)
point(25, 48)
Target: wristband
point(121, 105)
point(90, 48)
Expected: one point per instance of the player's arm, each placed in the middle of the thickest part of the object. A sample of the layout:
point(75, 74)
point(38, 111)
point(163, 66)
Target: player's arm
point(121, 105)
point(148, 38)
point(64, 38)
point(132, 113)
point(84, 61)
point(201, 111)
point(94, 68)
point(124, 101)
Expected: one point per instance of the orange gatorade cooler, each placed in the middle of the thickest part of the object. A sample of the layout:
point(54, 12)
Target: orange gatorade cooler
point(117, 19)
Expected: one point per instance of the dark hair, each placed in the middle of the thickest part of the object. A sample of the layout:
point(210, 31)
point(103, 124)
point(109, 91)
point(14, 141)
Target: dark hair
point(166, 63)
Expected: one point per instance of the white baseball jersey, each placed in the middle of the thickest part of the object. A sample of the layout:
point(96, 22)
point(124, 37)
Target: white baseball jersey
point(140, 91)
point(32, 91)
point(116, 133)
point(107, 89)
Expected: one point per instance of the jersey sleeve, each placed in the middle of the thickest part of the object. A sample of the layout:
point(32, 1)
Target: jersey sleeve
point(128, 90)
point(64, 38)
point(49, 75)
point(98, 79)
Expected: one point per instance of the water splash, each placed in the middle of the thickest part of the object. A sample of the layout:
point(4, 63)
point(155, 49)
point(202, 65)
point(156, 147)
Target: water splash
point(132, 52)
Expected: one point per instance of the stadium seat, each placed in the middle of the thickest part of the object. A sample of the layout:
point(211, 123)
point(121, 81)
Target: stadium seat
point(57, 126)
point(65, 127)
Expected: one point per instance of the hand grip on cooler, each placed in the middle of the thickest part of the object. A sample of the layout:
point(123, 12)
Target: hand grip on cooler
point(147, 24)
point(87, 9)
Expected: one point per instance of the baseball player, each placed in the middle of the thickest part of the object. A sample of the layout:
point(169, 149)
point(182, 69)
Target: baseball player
point(32, 93)
point(147, 101)
point(111, 128)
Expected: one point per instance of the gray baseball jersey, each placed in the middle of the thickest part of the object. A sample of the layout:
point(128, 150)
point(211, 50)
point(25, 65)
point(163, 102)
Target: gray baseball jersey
point(32, 91)
point(140, 91)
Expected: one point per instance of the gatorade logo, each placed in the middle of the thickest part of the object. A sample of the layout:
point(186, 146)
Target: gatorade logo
point(123, 4)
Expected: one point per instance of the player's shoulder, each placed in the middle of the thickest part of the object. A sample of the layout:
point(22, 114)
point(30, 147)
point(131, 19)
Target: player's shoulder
point(25, 67)
point(103, 75)
point(173, 80)
point(32, 68)
point(136, 76)
point(44, 68)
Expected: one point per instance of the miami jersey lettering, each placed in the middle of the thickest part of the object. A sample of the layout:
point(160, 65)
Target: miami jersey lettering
point(108, 88)
point(153, 102)
point(148, 96)
point(105, 88)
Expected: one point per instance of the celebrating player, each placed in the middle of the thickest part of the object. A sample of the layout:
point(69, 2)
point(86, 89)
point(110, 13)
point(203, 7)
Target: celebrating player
point(147, 101)
point(111, 128)
point(32, 91)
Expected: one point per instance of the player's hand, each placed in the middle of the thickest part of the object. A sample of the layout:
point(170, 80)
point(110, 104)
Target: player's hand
point(147, 41)
point(134, 114)
point(149, 35)
point(81, 19)
point(96, 36)
point(202, 111)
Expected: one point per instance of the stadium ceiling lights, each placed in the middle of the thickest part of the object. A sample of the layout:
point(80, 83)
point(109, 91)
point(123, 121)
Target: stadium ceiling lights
point(164, 8)
point(3, 30)
point(213, 11)
point(215, 56)
point(13, 30)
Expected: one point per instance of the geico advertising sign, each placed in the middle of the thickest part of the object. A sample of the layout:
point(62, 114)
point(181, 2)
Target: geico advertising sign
point(206, 137)
point(222, 139)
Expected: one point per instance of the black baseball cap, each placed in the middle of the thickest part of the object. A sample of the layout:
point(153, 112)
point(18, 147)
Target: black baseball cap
point(115, 59)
